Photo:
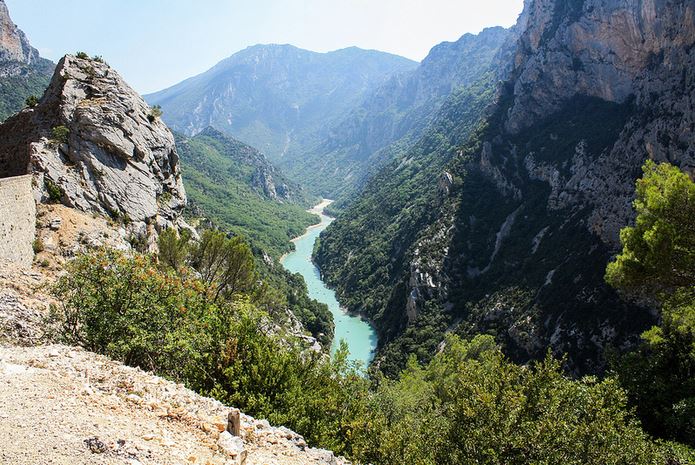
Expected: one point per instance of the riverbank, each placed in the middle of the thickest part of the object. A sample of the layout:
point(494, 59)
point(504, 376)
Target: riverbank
point(357, 332)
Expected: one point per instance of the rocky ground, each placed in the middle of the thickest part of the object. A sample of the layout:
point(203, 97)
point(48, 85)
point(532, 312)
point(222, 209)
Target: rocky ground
point(63, 405)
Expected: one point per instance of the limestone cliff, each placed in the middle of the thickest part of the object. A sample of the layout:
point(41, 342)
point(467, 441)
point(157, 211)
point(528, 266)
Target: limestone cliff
point(516, 244)
point(15, 49)
point(92, 143)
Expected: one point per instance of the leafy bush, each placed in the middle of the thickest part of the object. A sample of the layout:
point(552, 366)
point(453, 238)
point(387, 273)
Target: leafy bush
point(60, 134)
point(32, 101)
point(82, 55)
point(38, 245)
point(469, 405)
point(167, 322)
point(55, 192)
point(155, 112)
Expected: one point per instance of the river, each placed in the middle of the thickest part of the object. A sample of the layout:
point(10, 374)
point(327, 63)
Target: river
point(359, 335)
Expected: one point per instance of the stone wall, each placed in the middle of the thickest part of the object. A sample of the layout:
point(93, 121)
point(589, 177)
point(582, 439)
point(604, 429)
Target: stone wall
point(17, 220)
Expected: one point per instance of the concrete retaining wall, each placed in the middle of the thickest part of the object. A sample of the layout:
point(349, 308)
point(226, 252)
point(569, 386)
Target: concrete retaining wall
point(17, 220)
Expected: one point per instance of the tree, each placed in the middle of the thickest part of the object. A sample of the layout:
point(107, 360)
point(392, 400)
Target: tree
point(60, 134)
point(658, 261)
point(226, 265)
point(32, 101)
point(659, 251)
point(174, 248)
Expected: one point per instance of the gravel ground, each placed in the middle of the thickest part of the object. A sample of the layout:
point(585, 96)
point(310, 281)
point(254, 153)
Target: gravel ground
point(63, 405)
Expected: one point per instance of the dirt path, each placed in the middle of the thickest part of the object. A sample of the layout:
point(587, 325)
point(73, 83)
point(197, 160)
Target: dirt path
point(62, 405)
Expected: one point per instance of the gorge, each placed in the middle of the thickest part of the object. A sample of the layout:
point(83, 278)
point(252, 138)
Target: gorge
point(506, 275)
point(358, 334)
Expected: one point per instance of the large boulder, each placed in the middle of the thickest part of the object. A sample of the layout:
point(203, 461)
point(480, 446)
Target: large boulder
point(93, 144)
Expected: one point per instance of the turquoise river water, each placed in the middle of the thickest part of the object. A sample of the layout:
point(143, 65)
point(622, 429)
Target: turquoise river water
point(359, 335)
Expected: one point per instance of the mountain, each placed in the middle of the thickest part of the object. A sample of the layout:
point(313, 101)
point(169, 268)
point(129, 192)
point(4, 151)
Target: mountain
point(503, 215)
point(22, 71)
point(236, 186)
point(274, 97)
point(93, 144)
point(392, 116)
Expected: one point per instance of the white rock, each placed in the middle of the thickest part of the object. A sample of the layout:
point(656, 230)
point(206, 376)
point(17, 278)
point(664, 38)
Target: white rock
point(233, 446)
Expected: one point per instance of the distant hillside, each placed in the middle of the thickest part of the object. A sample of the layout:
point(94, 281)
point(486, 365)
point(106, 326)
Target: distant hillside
point(391, 117)
point(275, 97)
point(22, 71)
point(236, 187)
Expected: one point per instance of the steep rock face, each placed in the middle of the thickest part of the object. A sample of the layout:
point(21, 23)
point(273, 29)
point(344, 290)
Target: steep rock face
point(22, 71)
point(518, 246)
point(113, 156)
point(394, 114)
point(597, 48)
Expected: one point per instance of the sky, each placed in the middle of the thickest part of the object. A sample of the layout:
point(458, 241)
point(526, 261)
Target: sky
point(154, 44)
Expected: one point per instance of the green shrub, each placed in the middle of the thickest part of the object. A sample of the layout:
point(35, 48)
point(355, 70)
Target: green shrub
point(32, 101)
point(98, 58)
point(38, 245)
point(658, 261)
point(82, 55)
point(174, 248)
point(468, 405)
point(155, 113)
point(55, 192)
point(60, 134)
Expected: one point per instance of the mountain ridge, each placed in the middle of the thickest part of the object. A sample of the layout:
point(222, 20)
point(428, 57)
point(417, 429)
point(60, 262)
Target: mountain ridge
point(23, 72)
point(274, 96)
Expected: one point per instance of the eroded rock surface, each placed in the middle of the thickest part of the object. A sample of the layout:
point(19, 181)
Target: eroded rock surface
point(95, 145)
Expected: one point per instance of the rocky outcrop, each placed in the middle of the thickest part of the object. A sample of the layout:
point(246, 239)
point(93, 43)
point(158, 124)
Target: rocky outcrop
point(599, 48)
point(92, 143)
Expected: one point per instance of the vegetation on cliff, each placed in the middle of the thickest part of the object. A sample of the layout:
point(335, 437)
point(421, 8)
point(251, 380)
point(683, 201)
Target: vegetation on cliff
point(233, 185)
point(468, 403)
point(658, 262)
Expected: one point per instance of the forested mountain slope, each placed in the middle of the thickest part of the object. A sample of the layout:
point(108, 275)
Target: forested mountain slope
point(391, 117)
point(507, 229)
point(236, 187)
point(274, 97)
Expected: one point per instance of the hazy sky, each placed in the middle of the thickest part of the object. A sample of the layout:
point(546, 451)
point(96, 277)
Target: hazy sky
point(157, 43)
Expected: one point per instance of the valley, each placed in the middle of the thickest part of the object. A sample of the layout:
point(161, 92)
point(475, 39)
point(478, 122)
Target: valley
point(357, 333)
point(506, 274)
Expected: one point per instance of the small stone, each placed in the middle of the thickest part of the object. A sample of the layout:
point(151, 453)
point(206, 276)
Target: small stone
point(233, 446)
point(134, 398)
point(55, 224)
point(95, 445)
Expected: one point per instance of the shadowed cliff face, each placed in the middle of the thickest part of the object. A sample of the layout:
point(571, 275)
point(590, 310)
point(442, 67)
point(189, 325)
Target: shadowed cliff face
point(113, 157)
point(527, 213)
